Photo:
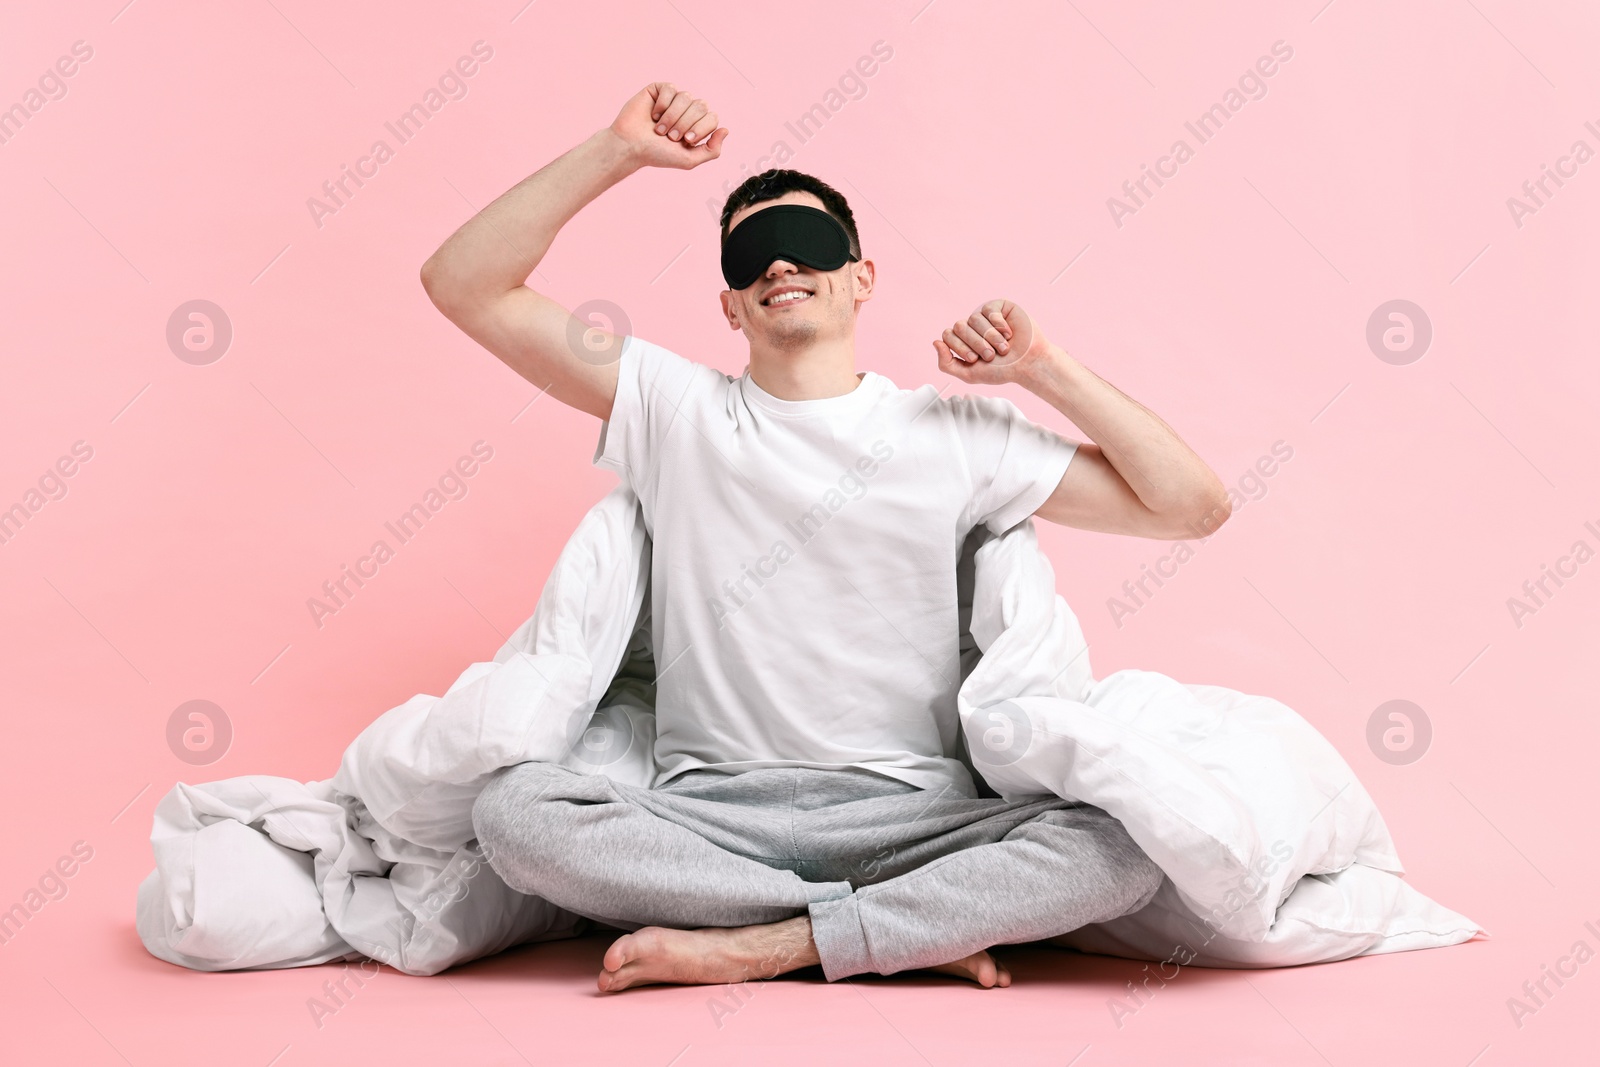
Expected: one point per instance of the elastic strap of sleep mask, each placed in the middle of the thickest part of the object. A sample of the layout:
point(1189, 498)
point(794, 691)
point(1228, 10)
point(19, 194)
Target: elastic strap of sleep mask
point(794, 232)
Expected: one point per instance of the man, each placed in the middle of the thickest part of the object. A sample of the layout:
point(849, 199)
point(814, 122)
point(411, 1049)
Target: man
point(813, 805)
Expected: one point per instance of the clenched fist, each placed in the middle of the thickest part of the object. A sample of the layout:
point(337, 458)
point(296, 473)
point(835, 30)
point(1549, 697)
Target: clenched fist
point(996, 343)
point(666, 127)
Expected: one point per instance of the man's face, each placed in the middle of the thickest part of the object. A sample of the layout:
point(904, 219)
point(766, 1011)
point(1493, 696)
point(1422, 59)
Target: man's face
point(810, 305)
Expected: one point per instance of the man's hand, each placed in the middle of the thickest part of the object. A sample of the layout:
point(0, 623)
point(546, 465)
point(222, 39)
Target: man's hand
point(666, 127)
point(996, 343)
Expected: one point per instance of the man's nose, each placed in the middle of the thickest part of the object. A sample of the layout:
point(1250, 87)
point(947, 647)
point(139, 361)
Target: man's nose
point(781, 266)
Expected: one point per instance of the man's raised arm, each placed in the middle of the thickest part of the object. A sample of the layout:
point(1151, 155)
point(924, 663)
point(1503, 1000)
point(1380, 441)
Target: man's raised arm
point(1138, 478)
point(476, 278)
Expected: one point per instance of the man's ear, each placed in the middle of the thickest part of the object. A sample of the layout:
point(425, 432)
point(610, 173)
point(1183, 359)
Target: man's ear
point(729, 308)
point(865, 275)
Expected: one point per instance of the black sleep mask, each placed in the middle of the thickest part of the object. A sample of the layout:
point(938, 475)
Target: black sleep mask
point(794, 232)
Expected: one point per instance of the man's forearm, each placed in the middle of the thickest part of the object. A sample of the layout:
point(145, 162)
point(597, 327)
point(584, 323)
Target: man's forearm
point(496, 249)
point(1166, 474)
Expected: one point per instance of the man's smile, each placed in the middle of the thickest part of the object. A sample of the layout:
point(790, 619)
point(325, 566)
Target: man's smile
point(785, 295)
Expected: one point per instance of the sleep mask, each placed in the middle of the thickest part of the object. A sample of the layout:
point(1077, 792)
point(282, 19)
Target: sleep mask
point(794, 232)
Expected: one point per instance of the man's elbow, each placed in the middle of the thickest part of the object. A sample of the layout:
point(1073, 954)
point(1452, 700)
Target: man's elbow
point(461, 298)
point(454, 293)
point(436, 283)
point(1202, 517)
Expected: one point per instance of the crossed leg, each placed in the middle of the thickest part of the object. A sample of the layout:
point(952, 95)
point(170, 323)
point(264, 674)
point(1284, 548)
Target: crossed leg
point(705, 872)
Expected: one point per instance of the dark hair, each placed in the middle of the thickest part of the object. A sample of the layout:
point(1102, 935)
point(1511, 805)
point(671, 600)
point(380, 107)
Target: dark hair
point(771, 184)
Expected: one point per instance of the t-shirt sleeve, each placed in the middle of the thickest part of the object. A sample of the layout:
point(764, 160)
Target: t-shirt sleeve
point(653, 385)
point(1014, 465)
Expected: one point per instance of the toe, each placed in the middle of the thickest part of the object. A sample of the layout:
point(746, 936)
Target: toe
point(983, 969)
point(618, 980)
point(620, 952)
point(640, 945)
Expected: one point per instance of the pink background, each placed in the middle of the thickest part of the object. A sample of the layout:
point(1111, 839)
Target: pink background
point(1233, 303)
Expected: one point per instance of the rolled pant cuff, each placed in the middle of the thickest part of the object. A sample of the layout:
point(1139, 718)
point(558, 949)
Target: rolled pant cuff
point(841, 942)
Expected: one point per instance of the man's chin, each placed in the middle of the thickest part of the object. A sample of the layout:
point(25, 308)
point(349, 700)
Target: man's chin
point(796, 334)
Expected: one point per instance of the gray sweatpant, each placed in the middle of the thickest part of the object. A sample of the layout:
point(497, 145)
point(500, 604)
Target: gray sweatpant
point(893, 877)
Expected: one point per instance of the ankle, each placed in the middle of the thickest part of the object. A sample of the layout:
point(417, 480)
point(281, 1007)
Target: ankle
point(781, 947)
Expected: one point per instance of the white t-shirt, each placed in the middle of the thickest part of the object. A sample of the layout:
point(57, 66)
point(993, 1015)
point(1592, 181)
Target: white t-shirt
point(803, 582)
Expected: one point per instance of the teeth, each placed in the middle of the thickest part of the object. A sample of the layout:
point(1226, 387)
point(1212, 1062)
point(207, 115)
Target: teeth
point(789, 297)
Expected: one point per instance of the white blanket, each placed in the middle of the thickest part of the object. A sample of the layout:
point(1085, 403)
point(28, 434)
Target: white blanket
point(1274, 853)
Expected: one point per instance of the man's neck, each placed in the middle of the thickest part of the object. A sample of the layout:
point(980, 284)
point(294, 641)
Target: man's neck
point(816, 372)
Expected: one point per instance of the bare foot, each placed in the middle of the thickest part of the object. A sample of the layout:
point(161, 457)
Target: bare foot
point(716, 955)
point(980, 967)
point(709, 956)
